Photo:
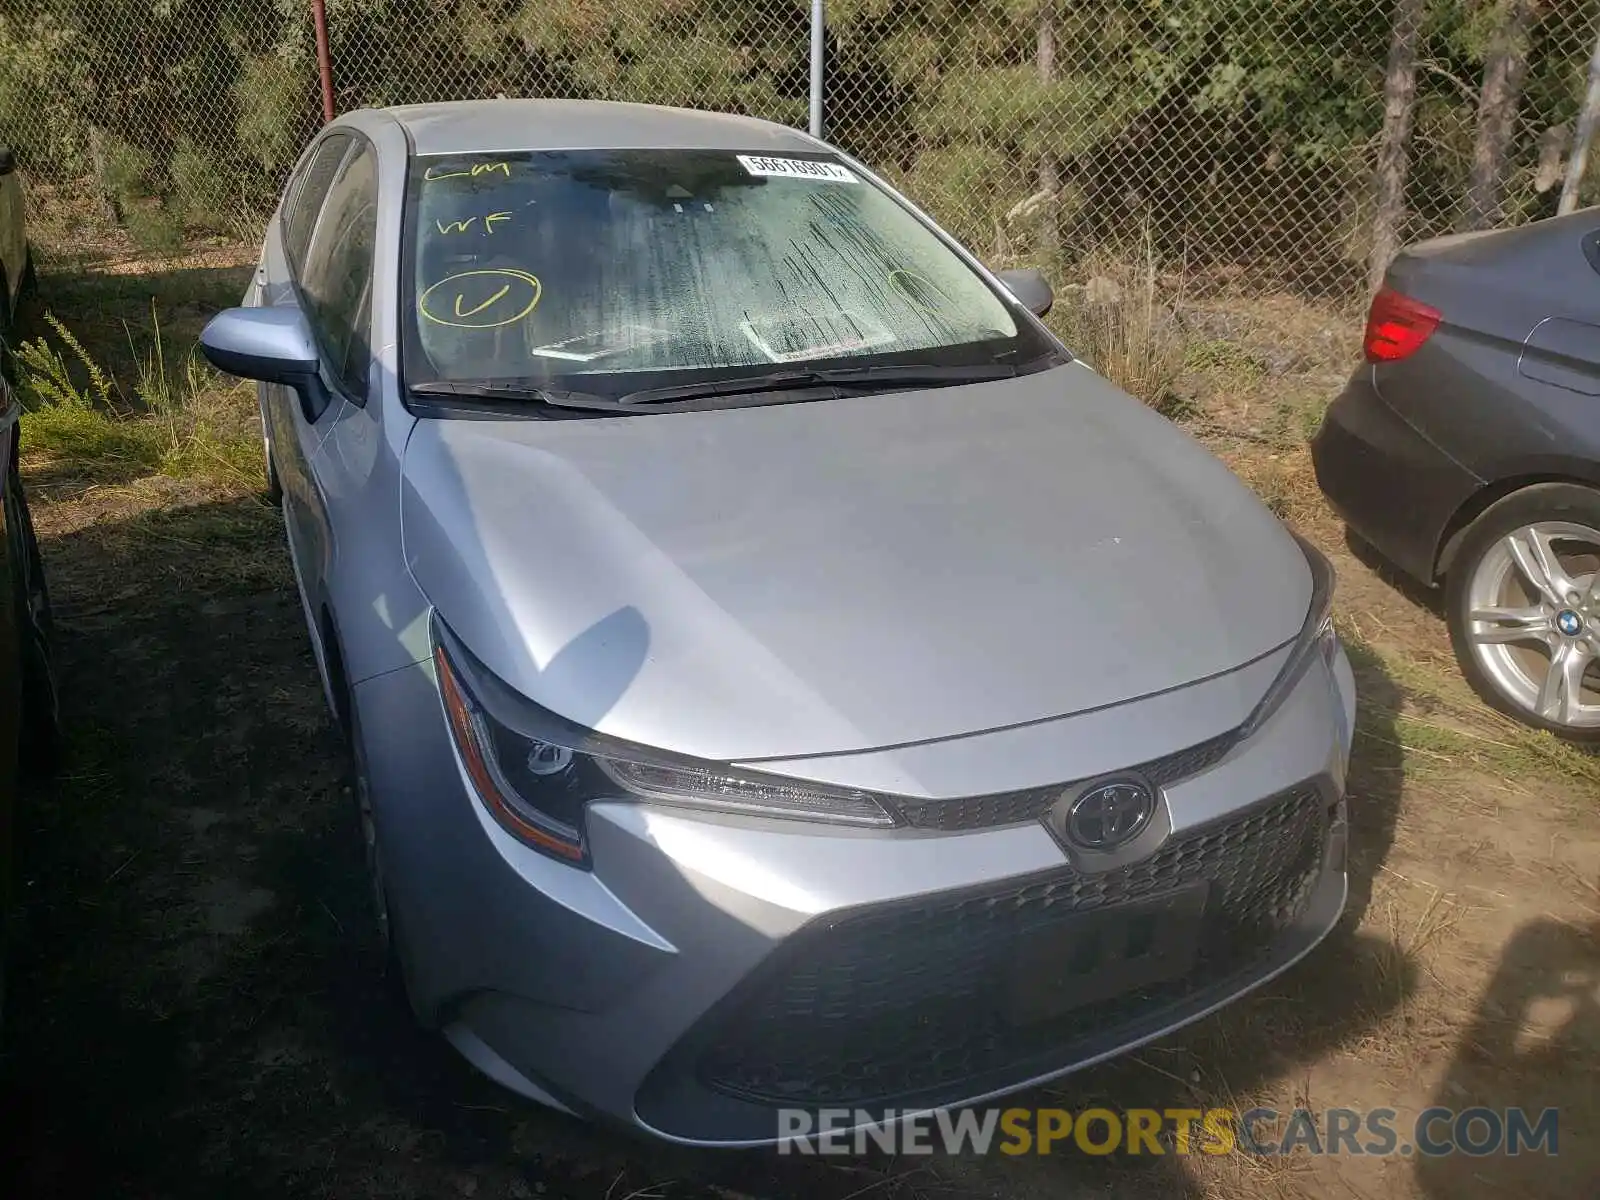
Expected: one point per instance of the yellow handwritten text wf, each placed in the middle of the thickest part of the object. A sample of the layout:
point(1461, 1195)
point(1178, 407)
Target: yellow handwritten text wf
point(489, 220)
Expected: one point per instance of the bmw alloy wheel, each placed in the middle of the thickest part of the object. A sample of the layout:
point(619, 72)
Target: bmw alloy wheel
point(1532, 621)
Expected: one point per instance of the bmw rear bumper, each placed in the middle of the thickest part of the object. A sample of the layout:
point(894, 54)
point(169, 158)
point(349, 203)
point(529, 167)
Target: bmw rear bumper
point(708, 972)
point(1392, 486)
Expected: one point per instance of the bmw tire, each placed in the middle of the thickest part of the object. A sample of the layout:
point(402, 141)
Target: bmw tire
point(1522, 598)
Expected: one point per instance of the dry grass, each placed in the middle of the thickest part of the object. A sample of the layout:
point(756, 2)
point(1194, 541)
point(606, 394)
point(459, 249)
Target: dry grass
point(1123, 323)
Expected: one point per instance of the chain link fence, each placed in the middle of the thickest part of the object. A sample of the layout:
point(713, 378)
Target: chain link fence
point(1255, 143)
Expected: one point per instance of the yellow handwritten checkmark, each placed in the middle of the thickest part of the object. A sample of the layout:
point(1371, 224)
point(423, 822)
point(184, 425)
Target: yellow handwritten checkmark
point(518, 296)
point(500, 295)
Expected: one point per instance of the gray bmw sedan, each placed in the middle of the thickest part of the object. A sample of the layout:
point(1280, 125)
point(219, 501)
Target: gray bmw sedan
point(778, 675)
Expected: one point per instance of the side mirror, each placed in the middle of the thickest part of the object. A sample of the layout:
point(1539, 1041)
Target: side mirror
point(273, 345)
point(8, 160)
point(1031, 289)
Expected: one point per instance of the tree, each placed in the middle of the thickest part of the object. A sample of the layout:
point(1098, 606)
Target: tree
point(1235, 133)
point(1504, 68)
point(1588, 118)
point(1394, 151)
point(1049, 173)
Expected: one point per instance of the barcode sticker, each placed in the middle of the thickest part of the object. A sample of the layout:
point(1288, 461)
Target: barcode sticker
point(795, 168)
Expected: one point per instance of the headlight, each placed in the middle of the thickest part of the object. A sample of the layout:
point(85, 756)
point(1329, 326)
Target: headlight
point(1316, 638)
point(536, 772)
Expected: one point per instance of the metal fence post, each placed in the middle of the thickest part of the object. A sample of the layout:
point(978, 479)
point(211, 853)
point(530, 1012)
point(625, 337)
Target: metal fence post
point(817, 18)
point(319, 19)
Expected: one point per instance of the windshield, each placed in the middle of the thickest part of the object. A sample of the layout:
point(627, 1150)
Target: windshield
point(612, 271)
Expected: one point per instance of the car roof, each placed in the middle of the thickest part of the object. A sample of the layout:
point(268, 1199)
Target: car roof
point(489, 126)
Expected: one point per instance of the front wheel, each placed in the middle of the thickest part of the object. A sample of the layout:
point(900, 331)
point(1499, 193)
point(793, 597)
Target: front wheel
point(1523, 603)
point(387, 932)
point(274, 483)
point(372, 849)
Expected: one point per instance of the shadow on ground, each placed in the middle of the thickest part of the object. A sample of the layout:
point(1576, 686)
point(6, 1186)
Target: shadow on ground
point(1377, 772)
point(197, 1009)
point(1429, 598)
point(1531, 1045)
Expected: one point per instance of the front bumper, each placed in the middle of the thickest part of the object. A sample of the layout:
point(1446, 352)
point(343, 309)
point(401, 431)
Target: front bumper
point(709, 971)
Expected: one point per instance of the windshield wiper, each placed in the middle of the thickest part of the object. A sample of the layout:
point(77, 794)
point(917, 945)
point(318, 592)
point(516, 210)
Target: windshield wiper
point(912, 375)
point(852, 378)
point(517, 393)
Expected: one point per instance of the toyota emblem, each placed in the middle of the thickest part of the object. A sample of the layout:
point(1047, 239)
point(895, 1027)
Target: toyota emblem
point(1110, 814)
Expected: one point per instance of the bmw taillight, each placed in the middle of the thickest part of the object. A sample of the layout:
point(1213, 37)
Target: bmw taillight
point(1397, 326)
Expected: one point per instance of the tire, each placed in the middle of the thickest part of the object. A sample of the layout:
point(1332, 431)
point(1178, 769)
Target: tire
point(1522, 599)
point(274, 484)
point(371, 848)
point(386, 929)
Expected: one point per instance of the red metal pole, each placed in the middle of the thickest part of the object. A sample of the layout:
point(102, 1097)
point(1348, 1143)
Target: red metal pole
point(319, 18)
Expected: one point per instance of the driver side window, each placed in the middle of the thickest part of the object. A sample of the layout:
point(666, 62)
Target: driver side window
point(336, 284)
point(310, 189)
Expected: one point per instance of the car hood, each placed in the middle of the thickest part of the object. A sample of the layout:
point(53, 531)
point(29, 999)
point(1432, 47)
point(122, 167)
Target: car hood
point(842, 575)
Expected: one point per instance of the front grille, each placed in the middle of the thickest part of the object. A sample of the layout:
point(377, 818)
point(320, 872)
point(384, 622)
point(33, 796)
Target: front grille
point(904, 1001)
point(1016, 808)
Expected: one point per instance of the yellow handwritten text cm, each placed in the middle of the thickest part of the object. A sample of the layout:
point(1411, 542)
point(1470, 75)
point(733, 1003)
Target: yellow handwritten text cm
point(434, 174)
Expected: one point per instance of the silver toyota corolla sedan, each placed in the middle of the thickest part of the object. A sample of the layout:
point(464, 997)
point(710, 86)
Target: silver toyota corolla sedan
point(779, 676)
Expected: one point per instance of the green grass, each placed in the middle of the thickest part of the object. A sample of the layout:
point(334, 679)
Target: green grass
point(1225, 358)
point(1296, 419)
point(209, 437)
point(217, 445)
point(94, 442)
point(182, 419)
point(1443, 730)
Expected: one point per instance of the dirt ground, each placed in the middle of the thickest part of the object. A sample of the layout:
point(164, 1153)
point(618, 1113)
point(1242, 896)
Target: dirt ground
point(196, 1010)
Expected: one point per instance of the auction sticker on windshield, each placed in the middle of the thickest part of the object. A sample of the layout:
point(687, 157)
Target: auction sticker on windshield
point(795, 168)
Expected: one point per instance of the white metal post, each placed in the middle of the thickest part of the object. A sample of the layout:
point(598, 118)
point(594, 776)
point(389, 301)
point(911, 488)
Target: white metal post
point(816, 68)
